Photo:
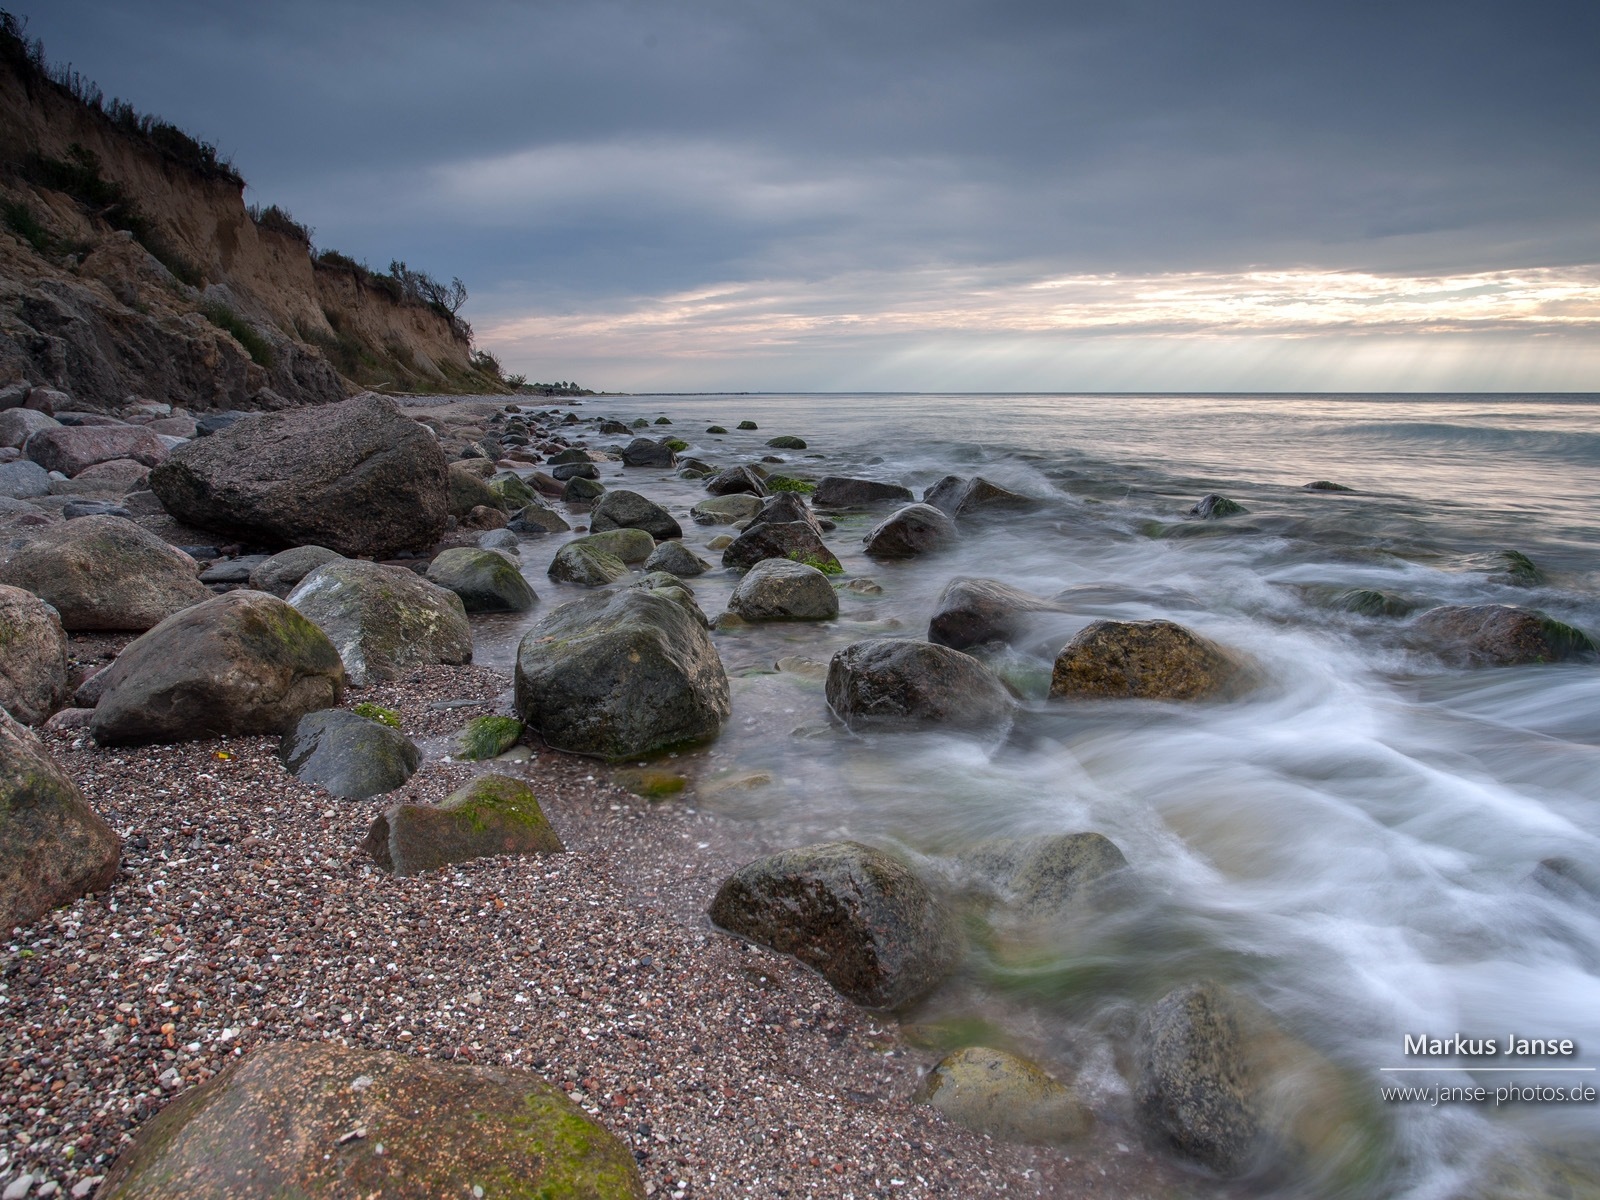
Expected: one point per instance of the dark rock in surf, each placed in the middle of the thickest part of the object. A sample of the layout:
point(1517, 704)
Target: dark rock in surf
point(916, 529)
point(1499, 635)
point(971, 612)
point(736, 481)
point(777, 589)
point(1144, 660)
point(837, 491)
point(1214, 507)
point(622, 509)
point(959, 498)
point(1326, 485)
point(643, 452)
point(891, 683)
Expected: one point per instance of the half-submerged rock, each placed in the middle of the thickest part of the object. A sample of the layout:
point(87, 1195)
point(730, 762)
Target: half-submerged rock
point(736, 481)
point(645, 452)
point(240, 663)
point(1144, 660)
point(1212, 507)
point(971, 612)
point(586, 564)
point(779, 590)
point(494, 814)
point(894, 683)
point(348, 755)
point(1004, 1096)
point(622, 509)
point(1499, 635)
point(915, 529)
point(358, 477)
point(860, 917)
point(838, 491)
point(959, 498)
point(1045, 878)
point(320, 1122)
point(384, 620)
point(53, 846)
point(619, 675)
point(784, 528)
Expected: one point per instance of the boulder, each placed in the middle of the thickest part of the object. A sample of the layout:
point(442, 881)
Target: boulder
point(320, 1121)
point(1497, 635)
point(467, 490)
point(53, 846)
point(71, 449)
point(572, 454)
point(622, 509)
point(971, 612)
point(486, 580)
point(619, 675)
point(536, 520)
point(33, 658)
point(958, 498)
point(103, 572)
point(894, 683)
point(510, 491)
point(736, 481)
point(504, 540)
point(23, 480)
point(240, 663)
point(348, 755)
point(1144, 660)
point(676, 559)
point(838, 491)
point(1325, 485)
point(384, 620)
point(575, 470)
point(746, 425)
point(117, 476)
point(915, 529)
point(643, 452)
point(494, 814)
point(859, 916)
point(776, 589)
point(359, 477)
point(586, 565)
point(1214, 507)
point(17, 425)
point(786, 442)
point(1004, 1096)
point(582, 491)
point(1044, 878)
point(726, 510)
point(784, 528)
point(632, 546)
point(279, 574)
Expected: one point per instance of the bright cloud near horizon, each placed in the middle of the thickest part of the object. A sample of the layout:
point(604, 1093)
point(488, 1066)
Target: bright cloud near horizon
point(943, 195)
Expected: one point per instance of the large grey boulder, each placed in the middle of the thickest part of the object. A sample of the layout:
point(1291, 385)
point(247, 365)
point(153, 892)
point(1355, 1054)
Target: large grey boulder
point(971, 612)
point(494, 814)
point(23, 480)
point(857, 915)
point(486, 580)
point(346, 754)
point(240, 663)
point(320, 1121)
point(358, 477)
point(915, 529)
point(893, 683)
point(71, 449)
point(1144, 660)
point(779, 590)
point(643, 452)
point(959, 498)
point(33, 657)
point(784, 528)
point(1499, 635)
point(621, 674)
point(281, 572)
point(622, 509)
point(53, 846)
point(384, 620)
point(103, 572)
point(838, 491)
point(586, 565)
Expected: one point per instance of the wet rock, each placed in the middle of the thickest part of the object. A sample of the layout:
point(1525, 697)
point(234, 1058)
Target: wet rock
point(586, 565)
point(279, 574)
point(572, 454)
point(384, 620)
point(23, 480)
point(575, 470)
point(736, 481)
point(536, 520)
point(784, 528)
point(53, 846)
point(240, 663)
point(837, 491)
point(1214, 507)
point(858, 916)
point(358, 477)
point(467, 490)
point(721, 542)
point(622, 509)
point(1326, 485)
point(504, 540)
point(786, 442)
point(1568, 877)
point(104, 572)
point(915, 529)
point(485, 580)
point(17, 425)
point(71, 449)
point(632, 546)
point(284, 1118)
point(510, 491)
point(894, 683)
point(1517, 570)
point(676, 559)
point(727, 509)
point(33, 657)
point(1004, 1096)
point(1497, 635)
point(494, 814)
point(620, 675)
point(643, 452)
point(582, 491)
point(1369, 602)
point(1044, 878)
point(348, 755)
point(776, 589)
point(959, 498)
point(1144, 660)
point(746, 425)
point(715, 429)
point(971, 612)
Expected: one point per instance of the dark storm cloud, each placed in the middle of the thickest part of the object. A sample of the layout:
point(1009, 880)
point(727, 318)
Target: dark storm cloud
point(580, 151)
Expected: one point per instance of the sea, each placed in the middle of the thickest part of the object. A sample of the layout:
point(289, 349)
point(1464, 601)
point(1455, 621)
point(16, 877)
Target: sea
point(1355, 843)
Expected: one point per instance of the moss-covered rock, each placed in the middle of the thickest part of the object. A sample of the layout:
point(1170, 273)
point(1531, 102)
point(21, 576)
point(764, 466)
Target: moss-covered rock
point(511, 492)
point(378, 713)
point(486, 580)
point(586, 564)
point(486, 737)
point(1144, 660)
point(788, 483)
point(468, 490)
point(746, 425)
point(727, 509)
point(33, 657)
point(53, 846)
point(279, 1124)
point(1499, 635)
point(676, 559)
point(494, 814)
point(1007, 1097)
point(384, 620)
point(632, 546)
point(1369, 602)
point(786, 442)
point(651, 783)
point(1214, 507)
point(582, 491)
point(715, 429)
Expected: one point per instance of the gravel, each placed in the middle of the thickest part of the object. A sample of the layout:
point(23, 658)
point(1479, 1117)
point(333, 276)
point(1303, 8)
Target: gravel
point(246, 912)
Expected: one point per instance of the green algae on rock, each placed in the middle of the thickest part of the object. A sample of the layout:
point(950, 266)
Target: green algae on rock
point(494, 814)
point(487, 737)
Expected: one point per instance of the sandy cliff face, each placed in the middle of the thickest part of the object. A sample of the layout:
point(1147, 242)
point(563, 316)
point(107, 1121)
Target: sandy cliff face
point(125, 270)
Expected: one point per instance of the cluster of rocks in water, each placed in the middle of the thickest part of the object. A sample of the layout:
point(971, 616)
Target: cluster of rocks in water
point(270, 562)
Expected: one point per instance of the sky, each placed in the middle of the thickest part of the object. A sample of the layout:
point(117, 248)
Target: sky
point(927, 195)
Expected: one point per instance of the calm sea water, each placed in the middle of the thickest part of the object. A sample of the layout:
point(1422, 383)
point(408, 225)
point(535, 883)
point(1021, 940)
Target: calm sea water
point(1351, 843)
